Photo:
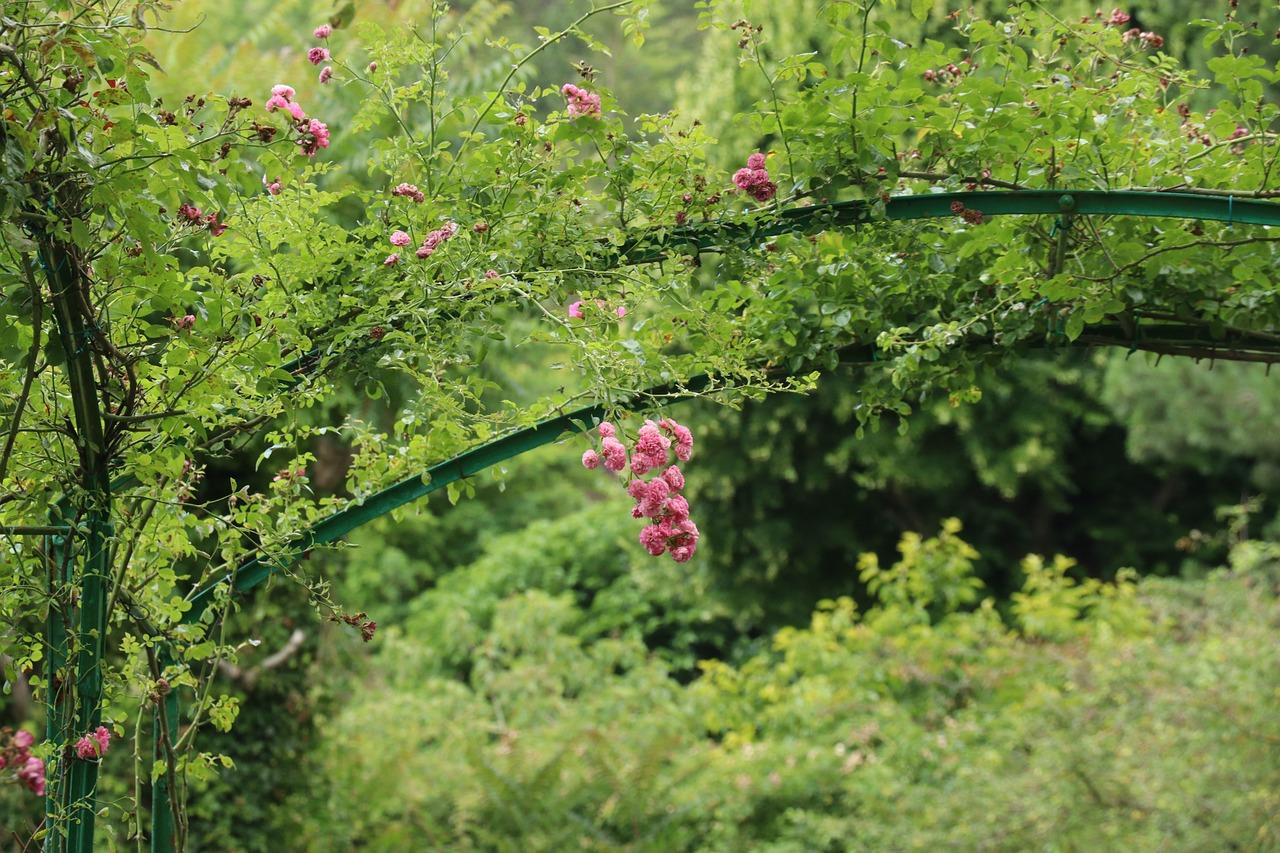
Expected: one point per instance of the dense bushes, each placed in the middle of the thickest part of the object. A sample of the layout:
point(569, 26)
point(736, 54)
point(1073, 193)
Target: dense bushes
point(1084, 715)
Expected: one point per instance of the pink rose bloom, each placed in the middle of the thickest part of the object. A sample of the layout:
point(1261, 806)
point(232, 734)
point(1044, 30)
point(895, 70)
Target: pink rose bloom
point(295, 110)
point(314, 137)
point(317, 55)
point(391, 260)
point(23, 739)
point(580, 102)
point(607, 430)
point(674, 477)
point(425, 251)
point(491, 274)
point(590, 460)
point(31, 774)
point(277, 102)
point(755, 161)
point(326, 74)
point(87, 748)
point(274, 187)
point(653, 540)
point(575, 310)
point(622, 311)
point(280, 90)
point(103, 736)
point(400, 238)
point(323, 31)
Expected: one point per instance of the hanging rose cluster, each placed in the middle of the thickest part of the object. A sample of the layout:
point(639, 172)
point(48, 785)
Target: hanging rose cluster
point(27, 769)
point(670, 529)
point(754, 179)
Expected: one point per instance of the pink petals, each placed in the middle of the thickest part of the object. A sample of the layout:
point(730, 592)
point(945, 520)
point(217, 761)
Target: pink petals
point(580, 101)
point(754, 179)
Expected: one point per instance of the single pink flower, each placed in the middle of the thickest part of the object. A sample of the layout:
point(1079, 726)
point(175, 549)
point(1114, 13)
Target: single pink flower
point(400, 238)
point(295, 110)
point(391, 260)
point(317, 55)
point(580, 102)
point(87, 748)
point(23, 739)
point(755, 161)
point(323, 31)
point(622, 311)
point(607, 430)
point(326, 74)
point(274, 187)
point(280, 90)
point(590, 460)
point(103, 736)
point(491, 274)
point(575, 310)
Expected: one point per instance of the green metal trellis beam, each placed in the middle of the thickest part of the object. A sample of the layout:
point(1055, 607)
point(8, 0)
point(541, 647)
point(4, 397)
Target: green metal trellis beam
point(648, 247)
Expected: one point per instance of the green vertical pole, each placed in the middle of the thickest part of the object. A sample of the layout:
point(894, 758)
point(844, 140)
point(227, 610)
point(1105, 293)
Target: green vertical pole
point(56, 698)
point(77, 799)
point(166, 733)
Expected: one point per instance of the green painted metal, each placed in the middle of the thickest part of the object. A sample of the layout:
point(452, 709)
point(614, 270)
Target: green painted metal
point(76, 787)
point(821, 217)
point(57, 705)
point(164, 721)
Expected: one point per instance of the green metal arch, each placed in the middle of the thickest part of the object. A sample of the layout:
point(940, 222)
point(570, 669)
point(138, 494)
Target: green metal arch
point(655, 245)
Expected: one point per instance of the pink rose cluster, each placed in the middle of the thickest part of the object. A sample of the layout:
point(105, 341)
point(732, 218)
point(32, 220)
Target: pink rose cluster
point(430, 243)
point(28, 769)
point(754, 179)
point(313, 134)
point(580, 101)
point(1147, 39)
point(575, 309)
point(670, 529)
point(94, 745)
point(409, 191)
point(193, 216)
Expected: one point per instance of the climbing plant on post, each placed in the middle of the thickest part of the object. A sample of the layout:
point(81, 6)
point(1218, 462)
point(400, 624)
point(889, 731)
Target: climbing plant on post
point(186, 279)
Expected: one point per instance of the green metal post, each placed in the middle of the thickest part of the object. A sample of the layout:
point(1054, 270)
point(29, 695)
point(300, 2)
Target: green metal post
point(165, 722)
point(57, 701)
point(78, 795)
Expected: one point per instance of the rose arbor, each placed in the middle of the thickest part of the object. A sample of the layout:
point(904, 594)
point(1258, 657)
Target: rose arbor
point(184, 280)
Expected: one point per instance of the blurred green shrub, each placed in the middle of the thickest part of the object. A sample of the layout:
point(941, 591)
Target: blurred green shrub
point(1126, 715)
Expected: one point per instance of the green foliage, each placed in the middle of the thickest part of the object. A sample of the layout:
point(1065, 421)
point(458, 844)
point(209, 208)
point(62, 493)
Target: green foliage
point(1071, 725)
point(146, 347)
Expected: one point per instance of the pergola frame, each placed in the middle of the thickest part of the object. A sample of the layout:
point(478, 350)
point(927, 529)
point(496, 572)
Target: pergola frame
point(71, 827)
